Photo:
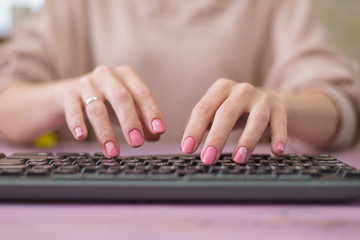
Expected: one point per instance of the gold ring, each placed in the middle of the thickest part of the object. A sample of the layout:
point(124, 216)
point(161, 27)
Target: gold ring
point(91, 99)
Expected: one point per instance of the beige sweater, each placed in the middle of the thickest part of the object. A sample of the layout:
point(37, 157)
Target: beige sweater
point(180, 47)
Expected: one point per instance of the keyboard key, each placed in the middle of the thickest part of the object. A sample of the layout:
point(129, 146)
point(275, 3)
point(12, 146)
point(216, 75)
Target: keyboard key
point(85, 164)
point(12, 161)
point(22, 166)
point(61, 164)
point(90, 169)
point(38, 172)
point(36, 163)
point(353, 174)
point(72, 154)
point(47, 167)
point(134, 171)
point(12, 171)
point(66, 170)
point(263, 156)
point(312, 172)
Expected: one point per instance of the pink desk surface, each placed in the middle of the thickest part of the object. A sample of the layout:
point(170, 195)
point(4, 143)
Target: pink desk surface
point(268, 221)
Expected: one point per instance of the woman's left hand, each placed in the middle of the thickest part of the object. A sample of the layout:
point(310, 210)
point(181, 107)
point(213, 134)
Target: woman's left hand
point(222, 106)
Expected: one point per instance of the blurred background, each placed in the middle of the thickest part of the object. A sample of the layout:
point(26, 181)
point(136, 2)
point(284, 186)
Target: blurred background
point(14, 11)
point(341, 17)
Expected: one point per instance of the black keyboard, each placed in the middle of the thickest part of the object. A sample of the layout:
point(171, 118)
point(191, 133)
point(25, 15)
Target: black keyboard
point(81, 176)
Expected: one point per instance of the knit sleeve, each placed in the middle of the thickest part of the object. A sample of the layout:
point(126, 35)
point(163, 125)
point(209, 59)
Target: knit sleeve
point(305, 60)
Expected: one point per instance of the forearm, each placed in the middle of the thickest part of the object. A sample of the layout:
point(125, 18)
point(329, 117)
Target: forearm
point(313, 117)
point(28, 110)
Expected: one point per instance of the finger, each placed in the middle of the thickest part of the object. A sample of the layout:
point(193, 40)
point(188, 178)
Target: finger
point(225, 118)
point(144, 100)
point(122, 103)
point(99, 119)
point(203, 113)
point(278, 130)
point(74, 115)
point(255, 126)
point(149, 135)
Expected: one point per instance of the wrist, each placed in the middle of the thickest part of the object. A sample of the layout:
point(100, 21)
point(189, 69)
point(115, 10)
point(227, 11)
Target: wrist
point(312, 117)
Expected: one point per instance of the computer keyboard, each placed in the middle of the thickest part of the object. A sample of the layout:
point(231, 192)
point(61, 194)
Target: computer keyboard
point(81, 176)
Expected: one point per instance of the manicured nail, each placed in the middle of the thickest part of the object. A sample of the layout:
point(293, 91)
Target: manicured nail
point(79, 132)
point(241, 154)
point(209, 155)
point(188, 145)
point(158, 126)
point(280, 146)
point(136, 138)
point(111, 150)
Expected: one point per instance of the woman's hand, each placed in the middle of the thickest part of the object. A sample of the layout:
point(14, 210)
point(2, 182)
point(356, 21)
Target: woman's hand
point(132, 101)
point(222, 106)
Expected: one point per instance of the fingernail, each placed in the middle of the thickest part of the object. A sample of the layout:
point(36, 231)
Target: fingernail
point(158, 126)
point(209, 155)
point(241, 155)
point(280, 146)
point(188, 145)
point(111, 150)
point(136, 138)
point(79, 132)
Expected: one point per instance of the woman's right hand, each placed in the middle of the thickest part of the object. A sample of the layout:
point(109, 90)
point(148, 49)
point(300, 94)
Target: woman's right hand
point(132, 101)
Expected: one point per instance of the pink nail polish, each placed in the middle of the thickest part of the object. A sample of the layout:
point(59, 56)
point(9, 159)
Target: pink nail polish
point(79, 132)
point(188, 145)
point(111, 150)
point(280, 146)
point(136, 138)
point(209, 155)
point(241, 155)
point(158, 126)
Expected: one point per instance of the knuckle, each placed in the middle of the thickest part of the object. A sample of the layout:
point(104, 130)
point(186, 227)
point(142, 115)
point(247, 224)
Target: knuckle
point(102, 69)
point(249, 141)
point(74, 120)
point(203, 107)
point(260, 115)
point(95, 109)
point(130, 122)
point(217, 136)
point(145, 92)
point(121, 95)
point(195, 129)
point(266, 99)
point(246, 87)
point(228, 113)
point(103, 134)
point(225, 83)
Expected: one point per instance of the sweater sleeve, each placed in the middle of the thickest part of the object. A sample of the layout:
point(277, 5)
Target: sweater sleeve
point(305, 60)
point(50, 45)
